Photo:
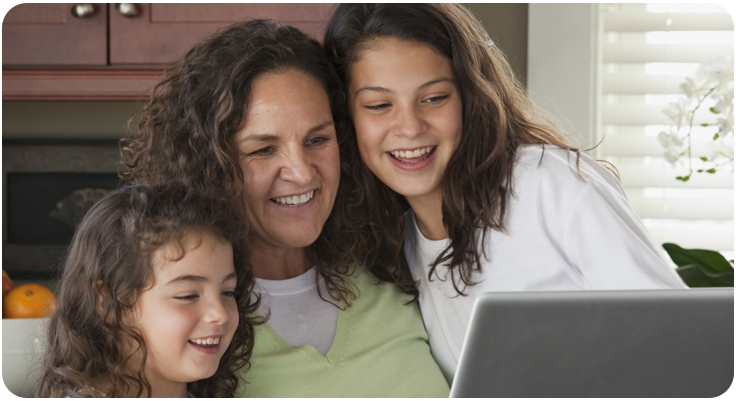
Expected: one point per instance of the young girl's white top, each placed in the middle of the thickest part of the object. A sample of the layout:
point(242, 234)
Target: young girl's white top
point(566, 230)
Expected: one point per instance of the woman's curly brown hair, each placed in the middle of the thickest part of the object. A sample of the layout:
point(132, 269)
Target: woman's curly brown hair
point(107, 267)
point(187, 129)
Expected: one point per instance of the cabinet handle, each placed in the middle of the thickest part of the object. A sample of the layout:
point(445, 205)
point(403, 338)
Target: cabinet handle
point(129, 10)
point(83, 10)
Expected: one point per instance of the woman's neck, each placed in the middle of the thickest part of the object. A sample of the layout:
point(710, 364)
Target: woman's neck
point(279, 264)
point(428, 211)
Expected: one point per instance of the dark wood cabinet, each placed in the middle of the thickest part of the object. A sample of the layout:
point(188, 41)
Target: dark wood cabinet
point(161, 33)
point(50, 54)
point(48, 34)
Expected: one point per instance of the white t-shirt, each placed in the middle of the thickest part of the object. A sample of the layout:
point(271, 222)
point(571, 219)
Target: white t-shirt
point(563, 233)
point(298, 314)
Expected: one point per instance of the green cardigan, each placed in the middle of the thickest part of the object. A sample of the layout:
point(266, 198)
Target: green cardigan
point(380, 350)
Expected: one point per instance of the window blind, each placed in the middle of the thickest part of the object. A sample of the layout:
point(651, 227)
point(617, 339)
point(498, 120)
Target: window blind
point(647, 51)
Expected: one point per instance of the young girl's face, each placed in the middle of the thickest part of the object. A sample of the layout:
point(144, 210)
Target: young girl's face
point(189, 315)
point(407, 112)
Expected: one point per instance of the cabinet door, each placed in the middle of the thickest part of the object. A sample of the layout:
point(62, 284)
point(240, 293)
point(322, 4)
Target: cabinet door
point(48, 34)
point(161, 33)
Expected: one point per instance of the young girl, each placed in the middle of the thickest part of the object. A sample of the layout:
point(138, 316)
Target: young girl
point(465, 182)
point(153, 300)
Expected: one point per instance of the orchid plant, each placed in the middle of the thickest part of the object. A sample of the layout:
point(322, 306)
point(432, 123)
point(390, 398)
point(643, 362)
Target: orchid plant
point(710, 85)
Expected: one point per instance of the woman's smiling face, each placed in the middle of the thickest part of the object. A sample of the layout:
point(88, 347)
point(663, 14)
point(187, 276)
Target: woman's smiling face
point(290, 160)
point(407, 112)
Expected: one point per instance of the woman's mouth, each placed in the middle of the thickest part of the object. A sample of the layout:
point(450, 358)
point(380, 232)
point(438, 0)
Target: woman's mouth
point(413, 156)
point(295, 200)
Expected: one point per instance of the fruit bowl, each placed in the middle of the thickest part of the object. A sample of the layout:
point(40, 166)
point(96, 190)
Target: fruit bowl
point(24, 342)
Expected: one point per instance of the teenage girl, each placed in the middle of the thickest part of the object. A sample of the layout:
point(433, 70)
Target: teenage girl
point(464, 181)
point(152, 302)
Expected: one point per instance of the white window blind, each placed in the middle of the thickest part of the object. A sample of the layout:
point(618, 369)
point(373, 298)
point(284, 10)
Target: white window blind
point(647, 51)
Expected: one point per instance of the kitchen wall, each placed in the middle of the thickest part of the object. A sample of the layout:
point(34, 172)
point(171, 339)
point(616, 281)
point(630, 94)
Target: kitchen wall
point(505, 23)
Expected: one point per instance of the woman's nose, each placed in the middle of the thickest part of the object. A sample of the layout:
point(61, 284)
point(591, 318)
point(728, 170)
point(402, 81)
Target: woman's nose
point(409, 123)
point(297, 168)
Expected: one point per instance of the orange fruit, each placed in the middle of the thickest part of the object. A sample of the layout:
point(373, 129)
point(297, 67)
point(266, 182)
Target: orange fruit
point(28, 301)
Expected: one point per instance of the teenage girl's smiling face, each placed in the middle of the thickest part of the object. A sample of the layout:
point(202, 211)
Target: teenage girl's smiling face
point(189, 315)
point(290, 161)
point(407, 112)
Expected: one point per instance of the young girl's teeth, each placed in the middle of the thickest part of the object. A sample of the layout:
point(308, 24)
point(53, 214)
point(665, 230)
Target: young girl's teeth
point(207, 341)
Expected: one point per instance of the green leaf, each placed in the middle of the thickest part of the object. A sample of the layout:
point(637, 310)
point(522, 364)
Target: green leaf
point(703, 158)
point(695, 277)
point(700, 170)
point(716, 136)
point(711, 170)
point(683, 179)
point(714, 111)
point(704, 125)
point(709, 261)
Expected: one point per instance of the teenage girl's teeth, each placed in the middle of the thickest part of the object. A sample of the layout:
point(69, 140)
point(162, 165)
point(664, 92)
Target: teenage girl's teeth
point(410, 155)
point(295, 200)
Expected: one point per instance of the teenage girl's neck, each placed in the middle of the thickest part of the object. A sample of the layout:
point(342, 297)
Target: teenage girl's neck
point(428, 212)
point(272, 263)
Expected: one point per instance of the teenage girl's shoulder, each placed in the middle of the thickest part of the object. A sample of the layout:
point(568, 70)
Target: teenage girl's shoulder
point(562, 168)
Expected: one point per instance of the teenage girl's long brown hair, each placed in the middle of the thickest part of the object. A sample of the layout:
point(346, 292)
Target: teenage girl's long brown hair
point(498, 117)
point(107, 267)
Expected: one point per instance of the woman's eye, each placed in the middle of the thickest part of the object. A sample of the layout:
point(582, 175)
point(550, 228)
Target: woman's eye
point(262, 151)
point(317, 140)
point(190, 297)
point(229, 294)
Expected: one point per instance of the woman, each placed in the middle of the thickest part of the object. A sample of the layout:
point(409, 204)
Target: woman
point(254, 115)
point(464, 181)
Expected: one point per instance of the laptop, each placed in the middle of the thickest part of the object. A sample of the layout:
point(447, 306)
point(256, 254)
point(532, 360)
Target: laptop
point(633, 343)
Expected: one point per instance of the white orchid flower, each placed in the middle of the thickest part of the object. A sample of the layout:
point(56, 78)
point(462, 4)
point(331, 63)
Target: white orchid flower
point(690, 88)
point(671, 157)
point(710, 87)
point(670, 140)
point(677, 112)
point(725, 125)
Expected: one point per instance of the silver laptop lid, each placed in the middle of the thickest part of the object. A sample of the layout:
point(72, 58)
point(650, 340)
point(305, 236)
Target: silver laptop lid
point(639, 343)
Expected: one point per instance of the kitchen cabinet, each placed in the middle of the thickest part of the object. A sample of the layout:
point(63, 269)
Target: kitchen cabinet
point(118, 51)
point(48, 34)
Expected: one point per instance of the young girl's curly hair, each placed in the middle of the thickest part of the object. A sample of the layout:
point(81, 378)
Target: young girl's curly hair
point(106, 269)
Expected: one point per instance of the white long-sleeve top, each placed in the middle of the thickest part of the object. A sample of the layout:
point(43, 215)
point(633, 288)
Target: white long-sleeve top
point(567, 230)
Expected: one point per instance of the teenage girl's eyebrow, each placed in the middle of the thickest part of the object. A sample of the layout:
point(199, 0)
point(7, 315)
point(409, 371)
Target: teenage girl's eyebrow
point(230, 276)
point(380, 89)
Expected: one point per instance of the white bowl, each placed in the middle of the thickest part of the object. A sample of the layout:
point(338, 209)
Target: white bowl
point(24, 342)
